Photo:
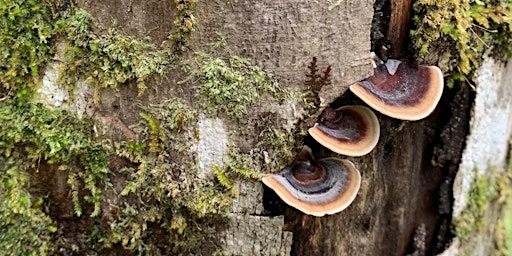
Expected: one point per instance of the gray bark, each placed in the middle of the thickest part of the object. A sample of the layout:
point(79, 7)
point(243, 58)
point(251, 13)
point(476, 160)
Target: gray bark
point(400, 187)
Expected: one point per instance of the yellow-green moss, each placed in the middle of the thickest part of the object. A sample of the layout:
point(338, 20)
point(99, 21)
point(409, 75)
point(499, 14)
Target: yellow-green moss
point(26, 30)
point(461, 31)
point(158, 183)
point(487, 213)
point(228, 83)
point(165, 183)
point(30, 134)
point(107, 60)
point(482, 194)
point(185, 23)
point(24, 228)
point(503, 234)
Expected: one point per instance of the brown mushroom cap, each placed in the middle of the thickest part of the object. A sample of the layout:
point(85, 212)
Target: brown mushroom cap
point(326, 186)
point(354, 133)
point(401, 91)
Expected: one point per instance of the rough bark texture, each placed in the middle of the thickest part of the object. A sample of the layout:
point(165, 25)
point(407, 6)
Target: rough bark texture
point(283, 36)
point(485, 154)
point(398, 193)
point(280, 37)
point(401, 189)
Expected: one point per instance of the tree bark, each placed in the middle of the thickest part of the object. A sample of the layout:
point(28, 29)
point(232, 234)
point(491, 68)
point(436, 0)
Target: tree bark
point(404, 205)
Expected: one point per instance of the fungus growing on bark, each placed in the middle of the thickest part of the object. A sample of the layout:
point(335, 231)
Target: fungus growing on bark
point(400, 90)
point(326, 186)
point(349, 130)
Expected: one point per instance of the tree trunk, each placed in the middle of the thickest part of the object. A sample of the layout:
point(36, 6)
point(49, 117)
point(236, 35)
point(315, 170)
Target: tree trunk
point(406, 200)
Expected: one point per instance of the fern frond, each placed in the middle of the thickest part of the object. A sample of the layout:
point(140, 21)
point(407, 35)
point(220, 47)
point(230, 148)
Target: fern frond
point(72, 182)
point(222, 177)
point(156, 136)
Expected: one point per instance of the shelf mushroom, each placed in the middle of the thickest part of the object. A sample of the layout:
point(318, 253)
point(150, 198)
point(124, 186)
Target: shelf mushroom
point(326, 186)
point(349, 130)
point(400, 90)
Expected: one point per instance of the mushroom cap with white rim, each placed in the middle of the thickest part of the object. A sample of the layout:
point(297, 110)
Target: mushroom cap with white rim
point(400, 90)
point(355, 133)
point(330, 188)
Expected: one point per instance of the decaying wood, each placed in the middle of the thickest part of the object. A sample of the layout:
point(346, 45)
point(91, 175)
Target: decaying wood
point(399, 25)
point(400, 189)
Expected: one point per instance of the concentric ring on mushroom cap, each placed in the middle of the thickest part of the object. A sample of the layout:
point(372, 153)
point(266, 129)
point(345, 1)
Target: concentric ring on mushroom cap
point(407, 93)
point(338, 189)
point(353, 140)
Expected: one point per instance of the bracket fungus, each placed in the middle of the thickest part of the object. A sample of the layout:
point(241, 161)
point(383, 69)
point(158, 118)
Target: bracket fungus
point(326, 186)
point(400, 90)
point(349, 130)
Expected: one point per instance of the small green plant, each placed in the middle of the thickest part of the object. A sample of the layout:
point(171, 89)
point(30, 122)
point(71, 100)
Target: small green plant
point(56, 137)
point(185, 24)
point(25, 33)
point(463, 30)
point(228, 83)
point(24, 228)
point(107, 60)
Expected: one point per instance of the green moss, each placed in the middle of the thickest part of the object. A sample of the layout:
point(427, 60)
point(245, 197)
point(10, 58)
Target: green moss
point(107, 60)
point(462, 30)
point(156, 137)
point(101, 60)
point(113, 59)
point(482, 193)
point(25, 33)
point(503, 233)
point(54, 136)
point(185, 23)
point(31, 134)
point(165, 182)
point(487, 213)
point(156, 188)
point(24, 228)
point(274, 150)
point(228, 83)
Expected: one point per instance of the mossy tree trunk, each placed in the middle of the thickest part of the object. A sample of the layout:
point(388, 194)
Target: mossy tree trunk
point(186, 150)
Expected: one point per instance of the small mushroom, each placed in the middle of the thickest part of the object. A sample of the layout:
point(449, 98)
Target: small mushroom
point(326, 186)
point(349, 130)
point(400, 90)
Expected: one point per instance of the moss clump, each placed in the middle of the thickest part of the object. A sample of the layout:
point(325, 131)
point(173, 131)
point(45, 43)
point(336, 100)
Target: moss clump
point(503, 233)
point(274, 150)
point(164, 182)
point(228, 83)
point(107, 60)
point(113, 59)
point(29, 135)
point(33, 133)
point(488, 213)
point(482, 193)
point(24, 228)
point(25, 33)
point(185, 24)
point(462, 30)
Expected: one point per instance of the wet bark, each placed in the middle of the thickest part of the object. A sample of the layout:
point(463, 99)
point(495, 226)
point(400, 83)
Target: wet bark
point(407, 178)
